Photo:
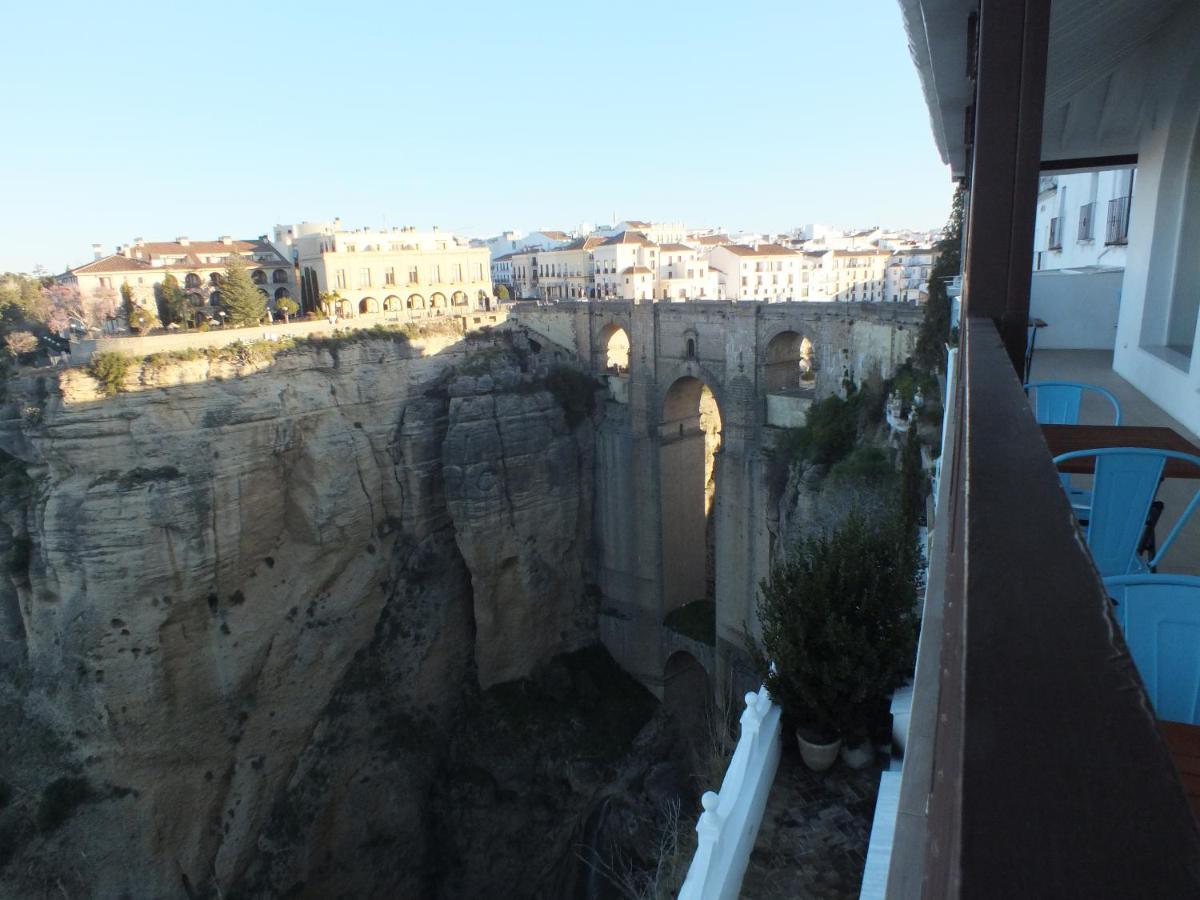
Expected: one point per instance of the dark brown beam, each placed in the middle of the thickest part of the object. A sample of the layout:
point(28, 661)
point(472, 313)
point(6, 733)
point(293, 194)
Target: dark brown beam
point(1090, 163)
point(1006, 161)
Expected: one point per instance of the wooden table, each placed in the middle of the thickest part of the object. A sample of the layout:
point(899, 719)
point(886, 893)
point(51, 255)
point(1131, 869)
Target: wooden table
point(1068, 438)
point(1184, 743)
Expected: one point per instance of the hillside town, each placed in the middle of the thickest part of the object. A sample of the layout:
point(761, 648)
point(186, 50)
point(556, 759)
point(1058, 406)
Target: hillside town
point(327, 270)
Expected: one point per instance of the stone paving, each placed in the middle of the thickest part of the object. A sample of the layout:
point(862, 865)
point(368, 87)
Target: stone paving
point(813, 839)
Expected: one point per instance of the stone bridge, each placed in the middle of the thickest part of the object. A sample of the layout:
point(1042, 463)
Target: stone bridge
point(681, 487)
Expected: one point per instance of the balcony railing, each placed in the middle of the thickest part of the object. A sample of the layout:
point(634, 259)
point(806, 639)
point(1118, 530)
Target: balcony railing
point(1117, 231)
point(1033, 764)
point(1086, 213)
point(1056, 234)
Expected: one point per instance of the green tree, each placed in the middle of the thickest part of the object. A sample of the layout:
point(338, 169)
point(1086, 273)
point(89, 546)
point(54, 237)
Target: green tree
point(173, 305)
point(502, 293)
point(935, 329)
point(331, 302)
point(839, 620)
point(243, 302)
point(140, 318)
point(287, 306)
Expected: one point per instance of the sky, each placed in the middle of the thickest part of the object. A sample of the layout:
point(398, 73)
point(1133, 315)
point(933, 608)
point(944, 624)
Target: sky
point(131, 120)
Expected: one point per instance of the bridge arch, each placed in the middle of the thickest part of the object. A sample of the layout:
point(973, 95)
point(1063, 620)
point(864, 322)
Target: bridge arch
point(689, 438)
point(614, 348)
point(789, 355)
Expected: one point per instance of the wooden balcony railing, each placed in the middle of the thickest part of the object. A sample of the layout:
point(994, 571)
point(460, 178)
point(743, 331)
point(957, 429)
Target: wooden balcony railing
point(1033, 766)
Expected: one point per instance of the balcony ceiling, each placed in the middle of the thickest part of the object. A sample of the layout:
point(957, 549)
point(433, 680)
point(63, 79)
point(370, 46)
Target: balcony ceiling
point(1102, 82)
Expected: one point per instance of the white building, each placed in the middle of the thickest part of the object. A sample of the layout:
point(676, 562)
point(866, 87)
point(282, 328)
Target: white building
point(767, 272)
point(1083, 220)
point(618, 264)
point(502, 271)
point(906, 278)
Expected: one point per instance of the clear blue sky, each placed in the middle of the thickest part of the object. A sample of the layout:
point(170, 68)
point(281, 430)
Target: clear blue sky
point(154, 120)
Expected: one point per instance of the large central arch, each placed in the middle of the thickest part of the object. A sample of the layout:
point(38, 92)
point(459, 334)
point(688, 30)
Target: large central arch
point(689, 437)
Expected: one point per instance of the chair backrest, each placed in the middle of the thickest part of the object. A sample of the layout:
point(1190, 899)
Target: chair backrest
point(1160, 615)
point(1057, 402)
point(1126, 480)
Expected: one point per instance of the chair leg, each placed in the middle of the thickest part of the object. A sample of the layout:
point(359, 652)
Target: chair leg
point(1149, 543)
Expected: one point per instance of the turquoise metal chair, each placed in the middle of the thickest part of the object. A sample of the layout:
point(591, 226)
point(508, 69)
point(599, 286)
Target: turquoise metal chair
point(1057, 403)
point(1160, 615)
point(1123, 487)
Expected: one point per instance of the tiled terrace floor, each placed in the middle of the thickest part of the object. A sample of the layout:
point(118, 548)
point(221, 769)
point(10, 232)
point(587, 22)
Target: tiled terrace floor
point(1095, 367)
point(814, 833)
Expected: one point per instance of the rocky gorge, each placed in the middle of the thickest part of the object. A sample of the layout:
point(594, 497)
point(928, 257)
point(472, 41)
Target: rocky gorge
point(312, 623)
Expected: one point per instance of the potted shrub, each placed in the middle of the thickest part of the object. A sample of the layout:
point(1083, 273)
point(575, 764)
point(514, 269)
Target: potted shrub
point(839, 622)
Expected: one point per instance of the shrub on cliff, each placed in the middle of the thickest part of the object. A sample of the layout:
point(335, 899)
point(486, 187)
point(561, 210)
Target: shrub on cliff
point(575, 392)
point(60, 799)
point(110, 368)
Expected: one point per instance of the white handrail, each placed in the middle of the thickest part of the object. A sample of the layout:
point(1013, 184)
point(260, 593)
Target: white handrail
point(730, 821)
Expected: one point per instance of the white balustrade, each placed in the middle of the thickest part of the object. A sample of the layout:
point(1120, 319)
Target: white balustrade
point(730, 821)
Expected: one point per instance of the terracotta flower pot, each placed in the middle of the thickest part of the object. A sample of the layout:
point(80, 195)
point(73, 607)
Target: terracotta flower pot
point(818, 756)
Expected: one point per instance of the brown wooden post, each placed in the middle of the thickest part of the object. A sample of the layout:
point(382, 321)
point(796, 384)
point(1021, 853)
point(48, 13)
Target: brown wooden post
point(1010, 90)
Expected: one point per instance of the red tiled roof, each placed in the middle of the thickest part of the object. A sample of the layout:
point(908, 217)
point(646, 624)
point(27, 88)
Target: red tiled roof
point(761, 250)
point(631, 237)
point(636, 270)
point(114, 263)
point(676, 248)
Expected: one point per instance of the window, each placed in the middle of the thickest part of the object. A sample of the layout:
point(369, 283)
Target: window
point(413, 275)
point(479, 271)
point(389, 275)
point(457, 272)
point(340, 278)
point(364, 277)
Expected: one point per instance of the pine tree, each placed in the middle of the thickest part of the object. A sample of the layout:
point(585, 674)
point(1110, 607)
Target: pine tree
point(242, 301)
point(173, 305)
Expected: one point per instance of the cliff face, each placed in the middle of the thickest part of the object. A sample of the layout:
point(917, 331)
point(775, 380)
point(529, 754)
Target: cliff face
point(245, 602)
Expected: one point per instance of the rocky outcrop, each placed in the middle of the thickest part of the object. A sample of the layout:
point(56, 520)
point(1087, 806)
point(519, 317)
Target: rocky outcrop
point(264, 585)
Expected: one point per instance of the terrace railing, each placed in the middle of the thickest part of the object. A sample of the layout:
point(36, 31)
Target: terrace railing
point(1033, 765)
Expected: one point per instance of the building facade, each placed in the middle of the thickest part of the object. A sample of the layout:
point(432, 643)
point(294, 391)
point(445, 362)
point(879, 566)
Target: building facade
point(1083, 220)
point(768, 272)
point(415, 274)
point(197, 265)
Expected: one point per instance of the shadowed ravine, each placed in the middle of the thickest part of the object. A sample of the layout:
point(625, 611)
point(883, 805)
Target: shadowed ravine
point(315, 625)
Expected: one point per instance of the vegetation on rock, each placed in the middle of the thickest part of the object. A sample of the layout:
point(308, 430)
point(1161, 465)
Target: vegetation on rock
point(110, 369)
point(60, 799)
point(575, 392)
point(935, 328)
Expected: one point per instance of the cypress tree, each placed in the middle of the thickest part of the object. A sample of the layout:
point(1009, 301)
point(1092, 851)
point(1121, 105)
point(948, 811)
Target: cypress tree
point(173, 303)
point(242, 301)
